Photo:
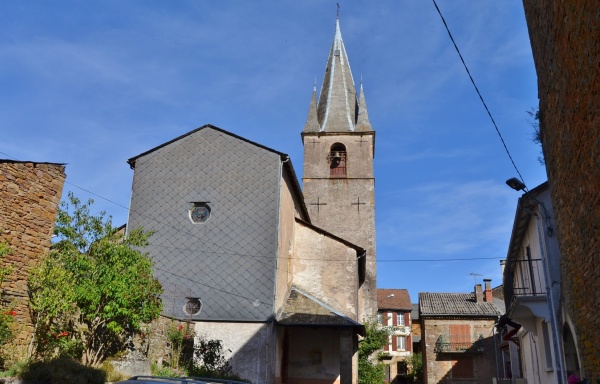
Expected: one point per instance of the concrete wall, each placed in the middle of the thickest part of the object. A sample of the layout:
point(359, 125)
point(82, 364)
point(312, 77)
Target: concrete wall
point(250, 347)
point(30, 193)
point(564, 38)
point(285, 249)
point(326, 269)
point(438, 366)
point(314, 356)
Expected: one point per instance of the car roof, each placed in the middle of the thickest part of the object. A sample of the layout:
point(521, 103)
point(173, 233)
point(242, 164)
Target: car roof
point(216, 381)
point(162, 380)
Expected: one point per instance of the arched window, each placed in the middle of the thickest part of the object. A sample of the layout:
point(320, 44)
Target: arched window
point(337, 160)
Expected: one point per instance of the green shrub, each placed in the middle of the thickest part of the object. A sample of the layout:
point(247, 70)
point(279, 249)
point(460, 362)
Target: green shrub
point(62, 371)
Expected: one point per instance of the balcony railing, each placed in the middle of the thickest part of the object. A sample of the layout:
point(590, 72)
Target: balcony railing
point(448, 344)
point(524, 278)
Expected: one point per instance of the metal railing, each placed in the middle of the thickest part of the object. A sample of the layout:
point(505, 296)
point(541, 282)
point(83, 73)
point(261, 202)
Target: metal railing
point(524, 278)
point(447, 344)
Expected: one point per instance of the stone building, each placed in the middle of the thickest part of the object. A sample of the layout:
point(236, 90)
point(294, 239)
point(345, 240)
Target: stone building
point(564, 38)
point(457, 340)
point(339, 147)
point(394, 310)
point(283, 278)
point(30, 193)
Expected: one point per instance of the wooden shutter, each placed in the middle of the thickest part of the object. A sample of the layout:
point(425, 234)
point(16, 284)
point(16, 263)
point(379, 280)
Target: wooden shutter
point(460, 333)
point(407, 319)
point(462, 368)
point(394, 318)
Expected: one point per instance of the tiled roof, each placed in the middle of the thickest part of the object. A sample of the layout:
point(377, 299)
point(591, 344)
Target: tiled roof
point(455, 304)
point(393, 299)
point(300, 309)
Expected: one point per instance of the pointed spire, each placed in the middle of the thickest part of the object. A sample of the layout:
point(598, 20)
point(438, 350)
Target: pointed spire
point(312, 124)
point(337, 106)
point(362, 122)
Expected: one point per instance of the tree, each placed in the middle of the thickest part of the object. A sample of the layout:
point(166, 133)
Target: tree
point(415, 367)
point(536, 135)
point(371, 371)
point(7, 314)
point(95, 288)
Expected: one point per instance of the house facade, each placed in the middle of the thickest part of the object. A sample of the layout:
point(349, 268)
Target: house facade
point(457, 335)
point(251, 260)
point(394, 312)
point(532, 331)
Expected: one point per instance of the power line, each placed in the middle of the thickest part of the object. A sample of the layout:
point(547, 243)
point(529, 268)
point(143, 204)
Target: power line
point(478, 93)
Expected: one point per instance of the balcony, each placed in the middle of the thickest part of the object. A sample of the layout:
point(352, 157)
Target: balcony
point(525, 289)
point(458, 344)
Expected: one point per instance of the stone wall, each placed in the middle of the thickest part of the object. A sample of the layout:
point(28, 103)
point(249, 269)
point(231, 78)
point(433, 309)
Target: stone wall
point(437, 367)
point(30, 193)
point(565, 39)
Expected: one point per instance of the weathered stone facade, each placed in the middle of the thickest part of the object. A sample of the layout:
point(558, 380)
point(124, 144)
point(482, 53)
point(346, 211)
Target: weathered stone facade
point(565, 38)
point(438, 366)
point(30, 193)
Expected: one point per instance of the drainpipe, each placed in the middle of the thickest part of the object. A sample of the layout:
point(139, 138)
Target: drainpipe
point(556, 344)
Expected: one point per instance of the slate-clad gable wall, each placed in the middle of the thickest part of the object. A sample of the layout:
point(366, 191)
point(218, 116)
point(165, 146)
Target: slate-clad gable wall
point(229, 261)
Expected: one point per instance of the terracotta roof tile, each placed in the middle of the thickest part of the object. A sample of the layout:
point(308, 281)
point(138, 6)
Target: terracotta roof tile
point(393, 299)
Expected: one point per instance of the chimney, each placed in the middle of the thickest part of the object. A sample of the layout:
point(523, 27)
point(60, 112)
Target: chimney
point(488, 291)
point(478, 294)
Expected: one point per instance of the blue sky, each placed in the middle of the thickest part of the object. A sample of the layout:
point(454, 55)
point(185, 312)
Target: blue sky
point(93, 83)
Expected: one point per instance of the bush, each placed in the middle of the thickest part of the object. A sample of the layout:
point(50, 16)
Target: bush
point(62, 371)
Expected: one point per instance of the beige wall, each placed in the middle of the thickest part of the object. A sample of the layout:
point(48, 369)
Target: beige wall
point(314, 356)
point(30, 194)
point(342, 215)
point(250, 347)
point(288, 210)
point(326, 269)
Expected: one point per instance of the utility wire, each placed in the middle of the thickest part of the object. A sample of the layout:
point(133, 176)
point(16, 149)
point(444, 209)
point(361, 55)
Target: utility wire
point(478, 93)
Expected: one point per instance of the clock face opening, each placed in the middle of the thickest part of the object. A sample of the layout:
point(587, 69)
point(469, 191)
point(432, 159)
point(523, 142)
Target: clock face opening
point(199, 213)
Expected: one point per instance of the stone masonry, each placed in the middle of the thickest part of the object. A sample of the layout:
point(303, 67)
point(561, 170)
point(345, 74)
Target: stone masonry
point(565, 39)
point(30, 193)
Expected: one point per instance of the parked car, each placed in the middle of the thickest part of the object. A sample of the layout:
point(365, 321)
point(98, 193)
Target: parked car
point(216, 381)
point(163, 380)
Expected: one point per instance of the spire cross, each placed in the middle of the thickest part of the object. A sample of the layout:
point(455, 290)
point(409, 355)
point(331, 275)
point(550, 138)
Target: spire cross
point(358, 204)
point(318, 204)
point(338, 10)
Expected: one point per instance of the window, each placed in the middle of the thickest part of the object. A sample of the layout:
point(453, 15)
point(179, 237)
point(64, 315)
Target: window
point(337, 160)
point(199, 213)
point(401, 318)
point(316, 357)
point(547, 349)
point(401, 342)
point(460, 337)
point(462, 368)
point(379, 318)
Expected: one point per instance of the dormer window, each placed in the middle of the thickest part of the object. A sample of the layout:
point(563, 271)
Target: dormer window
point(337, 160)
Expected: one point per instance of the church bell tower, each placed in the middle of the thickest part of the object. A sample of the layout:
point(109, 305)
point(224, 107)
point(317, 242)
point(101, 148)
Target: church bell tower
point(338, 180)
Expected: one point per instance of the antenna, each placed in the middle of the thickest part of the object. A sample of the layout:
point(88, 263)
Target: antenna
point(475, 276)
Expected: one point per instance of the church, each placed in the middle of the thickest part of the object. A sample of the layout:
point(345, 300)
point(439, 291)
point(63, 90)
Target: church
point(284, 276)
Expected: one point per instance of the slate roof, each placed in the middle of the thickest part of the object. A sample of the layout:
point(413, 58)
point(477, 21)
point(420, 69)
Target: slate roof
point(395, 299)
point(338, 108)
point(301, 309)
point(455, 304)
point(229, 262)
point(414, 314)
